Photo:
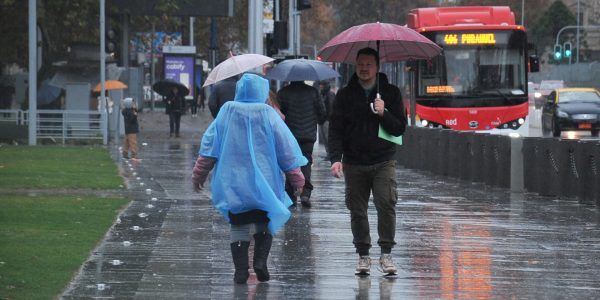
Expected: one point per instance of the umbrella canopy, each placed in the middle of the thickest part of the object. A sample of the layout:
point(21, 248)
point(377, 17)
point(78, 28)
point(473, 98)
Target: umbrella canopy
point(47, 93)
point(165, 87)
point(235, 65)
point(110, 85)
point(393, 42)
point(302, 69)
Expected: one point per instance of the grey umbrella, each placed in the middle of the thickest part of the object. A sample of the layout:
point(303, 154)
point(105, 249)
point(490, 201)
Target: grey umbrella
point(302, 69)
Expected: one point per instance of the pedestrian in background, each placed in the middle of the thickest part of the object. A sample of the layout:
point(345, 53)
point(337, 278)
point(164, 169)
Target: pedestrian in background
point(365, 160)
point(175, 107)
point(132, 128)
point(222, 92)
point(303, 110)
point(273, 103)
point(249, 146)
point(327, 96)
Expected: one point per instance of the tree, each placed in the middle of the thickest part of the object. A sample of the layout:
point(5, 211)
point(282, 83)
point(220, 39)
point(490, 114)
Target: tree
point(549, 24)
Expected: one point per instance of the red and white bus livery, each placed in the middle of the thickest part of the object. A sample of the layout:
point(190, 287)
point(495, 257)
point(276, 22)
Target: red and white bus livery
point(479, 82)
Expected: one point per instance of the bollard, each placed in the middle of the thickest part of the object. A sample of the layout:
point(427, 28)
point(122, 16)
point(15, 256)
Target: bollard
point(532, 165)
point(570, 169)
point(550, 185)
point(443, 151)
point(517, 183)
point(433, 137)
point(466, 158)
point(478, 148)
point(589, 159)
point(489, 160)
point(503, 161)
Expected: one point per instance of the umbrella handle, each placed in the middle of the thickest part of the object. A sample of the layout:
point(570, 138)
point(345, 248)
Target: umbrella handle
point(373, 106)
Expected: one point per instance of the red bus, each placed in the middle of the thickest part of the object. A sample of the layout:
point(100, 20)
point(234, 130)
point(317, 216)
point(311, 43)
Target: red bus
point(479, 82)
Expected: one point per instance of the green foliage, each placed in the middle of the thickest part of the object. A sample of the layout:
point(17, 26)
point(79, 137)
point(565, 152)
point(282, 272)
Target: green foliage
point(46, 239)
point(57, 167)
point(552, 20)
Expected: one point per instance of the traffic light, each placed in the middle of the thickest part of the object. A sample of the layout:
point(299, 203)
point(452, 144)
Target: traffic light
point(557, 52)
point(568, 52)
point(302, 4)
point(111, 43)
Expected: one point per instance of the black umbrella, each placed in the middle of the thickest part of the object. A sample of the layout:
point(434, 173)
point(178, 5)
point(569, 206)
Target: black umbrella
point(165, 87)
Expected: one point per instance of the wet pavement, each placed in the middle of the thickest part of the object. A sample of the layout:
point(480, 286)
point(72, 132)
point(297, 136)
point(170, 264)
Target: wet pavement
point(456, 240)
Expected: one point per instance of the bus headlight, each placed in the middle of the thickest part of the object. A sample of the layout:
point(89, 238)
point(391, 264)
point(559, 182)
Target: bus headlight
point(537, 94)
point(424, 123)
point(521, 121)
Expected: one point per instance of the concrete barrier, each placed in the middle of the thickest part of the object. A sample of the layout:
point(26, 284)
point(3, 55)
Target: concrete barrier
point(547, 166)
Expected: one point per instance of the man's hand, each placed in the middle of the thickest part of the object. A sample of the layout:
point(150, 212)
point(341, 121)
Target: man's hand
point(379, 105)
point(337, 169)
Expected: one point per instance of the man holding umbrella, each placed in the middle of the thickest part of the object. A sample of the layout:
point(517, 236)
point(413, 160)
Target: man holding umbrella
point(361, 109)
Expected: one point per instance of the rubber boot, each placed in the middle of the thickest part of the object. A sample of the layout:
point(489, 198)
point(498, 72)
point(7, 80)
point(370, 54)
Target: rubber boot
point(239, 252)
point(262, 247)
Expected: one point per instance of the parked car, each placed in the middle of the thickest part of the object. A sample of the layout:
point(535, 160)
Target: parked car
point(544, 89)
point(571, 109)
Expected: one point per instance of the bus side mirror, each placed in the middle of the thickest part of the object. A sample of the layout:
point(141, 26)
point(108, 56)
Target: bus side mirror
point(534, 63)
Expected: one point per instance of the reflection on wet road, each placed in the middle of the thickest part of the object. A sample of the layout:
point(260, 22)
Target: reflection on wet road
point(456, 240)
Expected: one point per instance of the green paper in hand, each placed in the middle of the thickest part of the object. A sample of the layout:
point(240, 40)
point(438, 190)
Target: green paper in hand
point(386, 136)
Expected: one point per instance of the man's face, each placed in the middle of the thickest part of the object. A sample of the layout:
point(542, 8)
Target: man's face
point(366, 67)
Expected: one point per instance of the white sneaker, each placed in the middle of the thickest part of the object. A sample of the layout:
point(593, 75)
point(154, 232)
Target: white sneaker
point(364, 266)
point(387, 264)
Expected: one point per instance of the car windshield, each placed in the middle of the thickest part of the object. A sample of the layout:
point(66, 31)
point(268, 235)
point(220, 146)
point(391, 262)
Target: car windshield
point(578, 96)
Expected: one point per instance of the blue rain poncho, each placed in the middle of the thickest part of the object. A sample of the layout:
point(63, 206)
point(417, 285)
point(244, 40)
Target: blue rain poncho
point(252, 146)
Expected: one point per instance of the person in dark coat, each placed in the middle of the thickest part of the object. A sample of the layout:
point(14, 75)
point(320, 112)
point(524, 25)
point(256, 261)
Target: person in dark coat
point(132, 128)
point(366, 161)
point(303, 110)
point(175, 107)
point(222, 92)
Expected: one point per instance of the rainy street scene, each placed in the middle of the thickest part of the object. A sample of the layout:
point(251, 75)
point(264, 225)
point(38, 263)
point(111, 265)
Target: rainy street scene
point(301, 149)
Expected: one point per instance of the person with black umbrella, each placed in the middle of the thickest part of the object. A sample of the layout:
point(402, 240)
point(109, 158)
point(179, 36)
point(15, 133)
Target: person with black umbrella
point(175, 106)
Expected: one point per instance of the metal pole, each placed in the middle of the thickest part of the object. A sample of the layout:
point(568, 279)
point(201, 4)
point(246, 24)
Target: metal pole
point(291, 25)
point(32, 72)
point(523, 12)
point(103, 66)
point(251, 27)
point(192, 19)
point(152, 67)
point(577, 60)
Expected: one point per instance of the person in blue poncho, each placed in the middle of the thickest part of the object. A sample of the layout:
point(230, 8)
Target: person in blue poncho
point(250, 148)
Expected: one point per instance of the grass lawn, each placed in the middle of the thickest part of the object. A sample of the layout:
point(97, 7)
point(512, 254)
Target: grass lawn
point(45, 239)
point(57, 168)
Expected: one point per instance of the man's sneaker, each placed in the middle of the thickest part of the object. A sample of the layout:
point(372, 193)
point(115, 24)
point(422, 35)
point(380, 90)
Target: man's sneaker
point(364, 266)
point(387, 264)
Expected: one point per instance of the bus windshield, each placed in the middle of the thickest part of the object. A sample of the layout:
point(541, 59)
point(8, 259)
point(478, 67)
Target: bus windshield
point(488, 64)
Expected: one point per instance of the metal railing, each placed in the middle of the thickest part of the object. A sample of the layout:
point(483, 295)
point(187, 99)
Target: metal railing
point(61, 125)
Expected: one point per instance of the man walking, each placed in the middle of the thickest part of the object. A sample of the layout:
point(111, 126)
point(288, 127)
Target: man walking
point(365, 160)
point(303, 110)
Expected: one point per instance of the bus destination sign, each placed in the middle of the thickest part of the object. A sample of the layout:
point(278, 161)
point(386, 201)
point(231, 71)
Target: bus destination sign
point(470, 39)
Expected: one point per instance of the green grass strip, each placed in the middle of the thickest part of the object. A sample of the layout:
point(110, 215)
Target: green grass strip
point(56, 167)
point(44, 240)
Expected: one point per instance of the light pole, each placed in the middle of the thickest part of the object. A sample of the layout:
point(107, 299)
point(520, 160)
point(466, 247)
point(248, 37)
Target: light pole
point(577, 59)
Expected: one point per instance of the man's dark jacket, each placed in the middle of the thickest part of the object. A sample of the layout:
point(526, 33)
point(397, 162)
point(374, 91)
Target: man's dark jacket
point(222, 92)
point(303, 109)
point(354, 128)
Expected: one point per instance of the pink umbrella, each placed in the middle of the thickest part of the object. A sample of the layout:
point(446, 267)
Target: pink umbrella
point(393, 42)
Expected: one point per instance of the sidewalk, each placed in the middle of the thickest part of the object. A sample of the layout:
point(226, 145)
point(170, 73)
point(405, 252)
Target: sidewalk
point(456, 240)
